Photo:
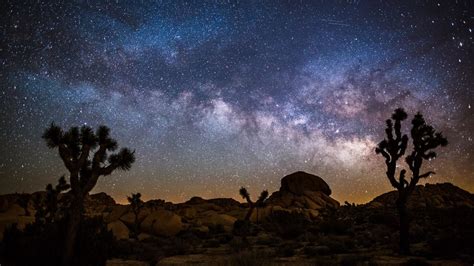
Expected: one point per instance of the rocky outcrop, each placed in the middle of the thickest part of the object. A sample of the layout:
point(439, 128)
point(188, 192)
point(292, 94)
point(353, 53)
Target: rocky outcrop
point(163, 223)
point(445, 195)
point(302, 191)
point(299, 182)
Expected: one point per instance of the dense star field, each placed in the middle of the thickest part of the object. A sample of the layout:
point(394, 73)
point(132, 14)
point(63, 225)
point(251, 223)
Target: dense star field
point(221, 94)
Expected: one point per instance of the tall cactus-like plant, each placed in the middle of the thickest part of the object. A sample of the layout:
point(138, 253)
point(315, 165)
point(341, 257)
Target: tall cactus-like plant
point(425, 140)
point(48, 210)
point(252, 205)
point(85, 155)
point(136, 205)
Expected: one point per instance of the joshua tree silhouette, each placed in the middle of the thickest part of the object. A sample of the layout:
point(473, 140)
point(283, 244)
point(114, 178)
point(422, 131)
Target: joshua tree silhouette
point(75, 148)
point(425, 139)
point(136, 204)
point(252, 205)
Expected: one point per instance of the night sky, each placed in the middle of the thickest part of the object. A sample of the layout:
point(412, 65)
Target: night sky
point(221, 94)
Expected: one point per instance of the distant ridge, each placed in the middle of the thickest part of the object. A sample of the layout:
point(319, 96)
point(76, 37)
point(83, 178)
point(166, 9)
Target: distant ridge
point(441, 195)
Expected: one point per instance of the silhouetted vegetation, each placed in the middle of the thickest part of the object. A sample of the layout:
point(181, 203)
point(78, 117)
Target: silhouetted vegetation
point(41, 243)
point(425, 139)
point(136, 204)
point(252, 205)
point(287, 225)
point(85, 155)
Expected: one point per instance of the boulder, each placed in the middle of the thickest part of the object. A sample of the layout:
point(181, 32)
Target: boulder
point(163, 223)
point(302, 192)
point(129, 217)
point(212, 218)
point(119, 230)
point(117, 212)
point(299, 182)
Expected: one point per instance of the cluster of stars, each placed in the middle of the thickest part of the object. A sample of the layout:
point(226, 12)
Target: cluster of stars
point(216, 95)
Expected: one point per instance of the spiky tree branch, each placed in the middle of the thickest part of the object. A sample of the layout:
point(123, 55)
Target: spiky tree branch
point(86, 156)
point(75, 147)
point(252, 205)
point(393, 147)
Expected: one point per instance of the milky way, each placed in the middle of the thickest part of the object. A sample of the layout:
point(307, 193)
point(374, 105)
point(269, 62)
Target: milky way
point(221, 94)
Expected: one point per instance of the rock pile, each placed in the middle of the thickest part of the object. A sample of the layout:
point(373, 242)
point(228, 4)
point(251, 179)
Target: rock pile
point(302, 192)
point(445, 195)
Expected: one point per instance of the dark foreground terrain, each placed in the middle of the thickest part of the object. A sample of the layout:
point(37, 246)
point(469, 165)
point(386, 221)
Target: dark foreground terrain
point(299, 224)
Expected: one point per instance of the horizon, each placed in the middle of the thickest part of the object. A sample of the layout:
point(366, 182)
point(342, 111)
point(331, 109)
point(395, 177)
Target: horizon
point(213, 96)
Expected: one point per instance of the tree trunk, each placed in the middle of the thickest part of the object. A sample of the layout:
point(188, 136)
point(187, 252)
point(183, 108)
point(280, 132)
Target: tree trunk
point(249, 213)
point(404, 227)
point(73, 224)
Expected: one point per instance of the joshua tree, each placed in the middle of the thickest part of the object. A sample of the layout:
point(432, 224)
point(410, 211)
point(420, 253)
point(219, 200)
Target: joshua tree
point(47, 209)
point(85, 155)
point(136, 204)
point(425, 140)
point(252, 205)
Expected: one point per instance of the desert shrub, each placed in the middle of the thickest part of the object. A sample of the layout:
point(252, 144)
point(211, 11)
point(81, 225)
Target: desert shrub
point(42, 244)
point(334, 226)
point(286, 225)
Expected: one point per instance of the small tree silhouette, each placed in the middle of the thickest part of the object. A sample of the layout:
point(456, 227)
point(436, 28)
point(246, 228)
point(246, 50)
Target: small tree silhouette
point(136, 204)
point(49, 211)
point(75, 148)
point(425, 139)
point(252, 205)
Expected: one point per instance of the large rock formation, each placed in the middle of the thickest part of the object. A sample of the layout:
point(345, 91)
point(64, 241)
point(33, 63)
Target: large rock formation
point(299, 182)
point(445, 195)
point(301, 192)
